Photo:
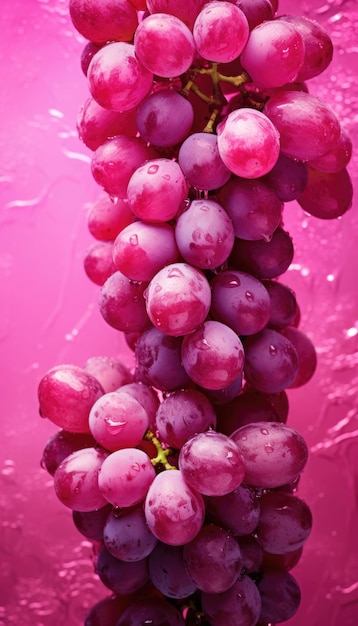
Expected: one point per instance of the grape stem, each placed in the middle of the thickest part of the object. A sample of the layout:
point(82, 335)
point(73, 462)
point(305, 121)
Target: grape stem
point(162, 453)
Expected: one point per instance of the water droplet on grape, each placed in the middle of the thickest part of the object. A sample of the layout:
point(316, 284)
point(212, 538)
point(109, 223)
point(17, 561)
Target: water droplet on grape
point(264, 431)
point(249, 296)
point(175, 272)
point(153, 169)
point(272, 350)
point(269, 448)
point(166, 177)
point(133, 240)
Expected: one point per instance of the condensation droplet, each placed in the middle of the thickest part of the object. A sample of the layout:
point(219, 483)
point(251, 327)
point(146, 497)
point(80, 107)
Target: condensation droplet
point(249, 296)
point(272, 350)
point(153, 169)
point(133, 240)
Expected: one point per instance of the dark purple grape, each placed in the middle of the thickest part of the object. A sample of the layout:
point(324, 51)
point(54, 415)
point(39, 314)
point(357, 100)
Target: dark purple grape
point(288, 178)
point(280, 596)
point(91, 523)
point(155, 611)
point(327, 195)
point(167, 572)
point(283, 304)
point(237, 511)
point(121, 577)
point(264, 259)
point(285, 522)
point(249, 407)
point(241, 604)
point(307, 356)
point(62, 444)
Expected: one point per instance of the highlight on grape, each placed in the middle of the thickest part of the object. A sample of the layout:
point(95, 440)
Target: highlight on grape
point(182, 470)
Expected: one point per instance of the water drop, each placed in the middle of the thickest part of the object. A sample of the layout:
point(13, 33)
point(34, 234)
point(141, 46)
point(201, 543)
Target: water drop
point(249, 296)
point(264, 431)
point(175, 272)
point(166, 177)
point(133, 240)
point(272, 350)
point(153, 169)
point(268, 448)
point(157, 288)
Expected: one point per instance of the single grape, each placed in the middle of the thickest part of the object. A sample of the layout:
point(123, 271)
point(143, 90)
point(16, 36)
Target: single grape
point(125, 477)
point(307, 356)
point(238, 511)
point(116, 78)
point(162, 31)
point(173, 510)
point(288, 178)
point(241, 604)
point(167, 571)
point(240, 301)
point(274, 454)
point(249, 407)
point(213, 355)
point(252, 553)
point(91, 523)
point(264, 259)
point(253, 206)
point(107, 20)
point(271, 361)
point(220, 32)
point(280, 596)
point(107, 217)
point(317, 42)
point(156, 190)
point(95, 124)
point(285, 522)
point(87, 55)
point(182, 414)
point(164, 118)
point(62, 444)
point(248, 143)
point(213, 559)
point(337, 158)
point(66, 394)
point(98, 262)
point(114, 162)
point(211, 463)
point(76, 480)
point(118, 421)
point(283, 304)
point(204, 234)
point(141, 250)
point(151, 611)
point(127, 536)
point(109, 371)
point(201, 162)
point(328, 195)
point(307, 126)
point(286, 561)
point(273, 43)
point(178, 299)
point(122, 304)
point(120, 576)
point(158, 361)
point(256, 11)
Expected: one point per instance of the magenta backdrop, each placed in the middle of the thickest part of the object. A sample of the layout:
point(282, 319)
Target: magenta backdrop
point(49, 315)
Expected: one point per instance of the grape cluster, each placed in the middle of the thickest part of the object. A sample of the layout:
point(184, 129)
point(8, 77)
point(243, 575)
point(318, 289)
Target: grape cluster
point(183, 471)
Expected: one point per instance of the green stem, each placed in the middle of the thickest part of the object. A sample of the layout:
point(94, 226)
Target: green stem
point(162, 454)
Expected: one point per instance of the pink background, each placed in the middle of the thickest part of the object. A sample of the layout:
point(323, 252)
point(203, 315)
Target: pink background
point(49, 315)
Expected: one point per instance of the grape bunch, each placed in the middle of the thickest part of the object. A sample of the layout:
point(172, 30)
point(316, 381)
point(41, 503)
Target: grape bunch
point(182, 470)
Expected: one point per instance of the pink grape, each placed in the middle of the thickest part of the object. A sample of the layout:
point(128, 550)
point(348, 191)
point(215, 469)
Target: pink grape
point(156, 190)
point(271, 361)
point(158, 361)
point(211, 463)
point(204, 234)
point(122, 304)
point(274, 454)
point(66, 394)
point(62, 444)
point(278, 43)
point(95, 124)
point(125, 477)
point(213, 355)
point(238, 511)
point(220, 32)
point(114, 162)
point(264, 259)
point(201, 162)
point(98, 262)
point(307, 357)
point(248, 143)
point(328, 195)
point(116, 78)
point(104, 20)
point(253, 206)
point(241, 604)
point(174, 511)
point(118, 421)
point(241, 301)
point(91, 523)
point(213, 559)
point(121, 577)
point(140, 250)
point(280, 596)
point(182, 414)
point(154, 610)
point(256, 11)
point(127, 536)
point(318, 46)
point(337, 158)
point(146, 396)
point(109, 371)
point(107, 217)
point(76, 480)
point(285, 522)
point(178, 299)
point(168, 573)
point(164, 118)
point(187, 12)
point(307, 126)
point(159, 32)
